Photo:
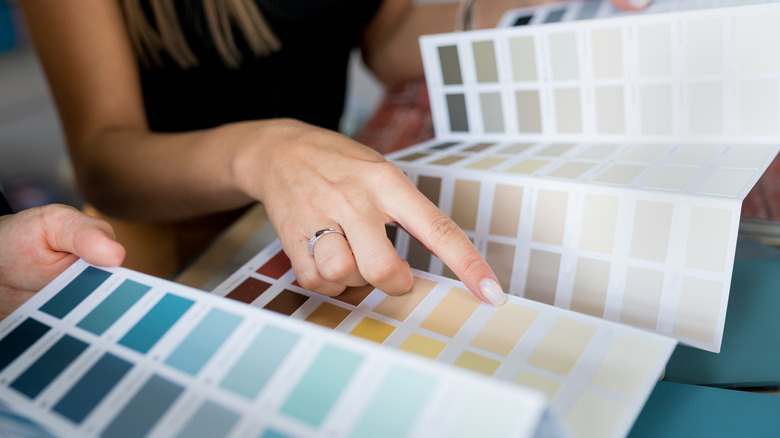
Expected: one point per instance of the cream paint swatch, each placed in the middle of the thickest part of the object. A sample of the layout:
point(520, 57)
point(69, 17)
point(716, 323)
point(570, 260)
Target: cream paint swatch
point(626, 359)
point(562, 346)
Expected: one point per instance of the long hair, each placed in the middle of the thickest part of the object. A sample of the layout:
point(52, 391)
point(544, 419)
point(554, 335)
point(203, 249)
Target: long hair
point(150, 42)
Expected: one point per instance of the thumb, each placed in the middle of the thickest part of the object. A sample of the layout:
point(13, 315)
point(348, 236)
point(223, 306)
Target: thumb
point(92, 239)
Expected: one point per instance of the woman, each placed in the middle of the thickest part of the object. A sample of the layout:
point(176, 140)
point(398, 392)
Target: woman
point(184, 113)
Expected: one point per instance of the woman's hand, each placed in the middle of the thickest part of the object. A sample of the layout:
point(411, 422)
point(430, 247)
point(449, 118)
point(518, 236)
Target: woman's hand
point(38, 244)
point(313, 179)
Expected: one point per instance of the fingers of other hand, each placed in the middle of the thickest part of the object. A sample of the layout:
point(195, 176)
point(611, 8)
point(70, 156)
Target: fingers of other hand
point(334, 260)
point(329, 271)
point(368, 257)
point(376, 257)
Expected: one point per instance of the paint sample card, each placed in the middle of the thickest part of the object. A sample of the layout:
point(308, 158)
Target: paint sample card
point(557, 12)
point(597, 374)
point(577, 226)
point(599, 165)
point(115, 353)
point(703, 76)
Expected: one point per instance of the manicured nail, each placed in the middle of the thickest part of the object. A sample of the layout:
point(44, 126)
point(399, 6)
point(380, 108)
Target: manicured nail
point(492, 291)
point(639, 4)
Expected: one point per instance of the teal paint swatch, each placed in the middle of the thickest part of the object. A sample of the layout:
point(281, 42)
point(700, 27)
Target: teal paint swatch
point(146, 332)
point(210, 420)
point(74, 292)
point(321, 386)
point(270, 433)
point(82, 398)
point(49, 366)
point(259, 362)
point(20, 339)
point(203, 341)
point(396, 405)
point(113, 307)
point(146, 407)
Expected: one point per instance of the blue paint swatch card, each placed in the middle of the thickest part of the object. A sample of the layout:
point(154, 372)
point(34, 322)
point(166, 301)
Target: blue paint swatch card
point(116, 353)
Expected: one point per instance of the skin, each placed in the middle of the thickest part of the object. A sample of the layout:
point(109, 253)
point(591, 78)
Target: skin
point(132, 173)
point(40, 243)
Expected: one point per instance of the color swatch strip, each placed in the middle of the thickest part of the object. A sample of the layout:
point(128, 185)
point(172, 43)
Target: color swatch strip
point(568, 356)
point(599, 165)
point(708, 75)
point(623, 251)
point(164, 360)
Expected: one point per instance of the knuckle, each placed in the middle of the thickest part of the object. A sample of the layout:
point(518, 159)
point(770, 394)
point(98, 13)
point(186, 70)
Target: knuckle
point(386, 172)
point(442, 230)
point(309, 280)
point(336, 268)
point(471, 263)
point(379, 271)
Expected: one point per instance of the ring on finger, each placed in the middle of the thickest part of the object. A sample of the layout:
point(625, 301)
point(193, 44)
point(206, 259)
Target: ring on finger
point(320, 234)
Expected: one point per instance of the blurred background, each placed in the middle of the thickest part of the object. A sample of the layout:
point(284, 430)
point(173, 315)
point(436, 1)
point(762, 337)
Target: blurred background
point(34, 166)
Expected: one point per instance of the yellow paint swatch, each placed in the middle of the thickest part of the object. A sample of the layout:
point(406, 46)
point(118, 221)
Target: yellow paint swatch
point(562, 345)
point(399, 307)
point(626, 365)
point(373, 330)
point(505, 328)
point(452, 312)
point(549, 387)
point(475, 362)
point(423, 345)
point(328, 315)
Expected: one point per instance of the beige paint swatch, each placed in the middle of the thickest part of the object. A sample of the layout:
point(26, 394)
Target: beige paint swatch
point(465, 203)
point(399, 307)
point(452, 312)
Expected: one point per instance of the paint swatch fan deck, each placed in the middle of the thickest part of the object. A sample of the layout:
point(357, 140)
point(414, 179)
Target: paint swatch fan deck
point(600, 165)
point(598, 160)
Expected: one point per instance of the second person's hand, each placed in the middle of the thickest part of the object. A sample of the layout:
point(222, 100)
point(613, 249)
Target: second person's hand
point(314, 179)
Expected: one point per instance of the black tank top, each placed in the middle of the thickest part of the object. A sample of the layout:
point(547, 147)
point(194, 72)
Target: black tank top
point(305, 79)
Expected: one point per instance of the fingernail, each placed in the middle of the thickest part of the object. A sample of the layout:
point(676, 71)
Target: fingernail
point(492, 291)
point(639, 4)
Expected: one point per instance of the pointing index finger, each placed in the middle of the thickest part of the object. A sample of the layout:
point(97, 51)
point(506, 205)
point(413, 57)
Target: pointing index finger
point(444, 238)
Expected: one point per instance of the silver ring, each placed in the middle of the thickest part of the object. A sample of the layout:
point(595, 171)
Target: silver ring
point(318, 235)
